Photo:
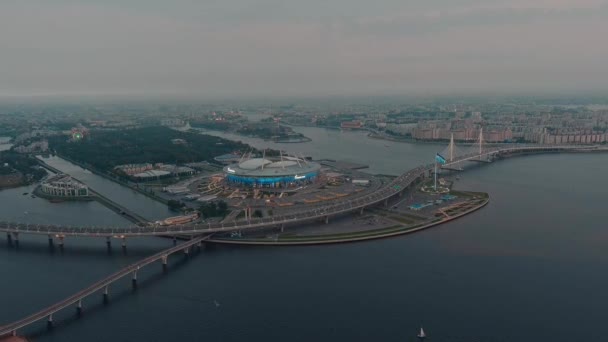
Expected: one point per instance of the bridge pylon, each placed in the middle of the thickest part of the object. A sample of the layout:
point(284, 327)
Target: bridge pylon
point(451, 153)
point(478, 147)
point(451, 148)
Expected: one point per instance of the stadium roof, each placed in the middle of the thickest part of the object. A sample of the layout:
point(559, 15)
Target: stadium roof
point(255, 163)
point(259, 167)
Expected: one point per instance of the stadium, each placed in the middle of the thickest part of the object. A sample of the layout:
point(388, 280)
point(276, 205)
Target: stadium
point(286, 171)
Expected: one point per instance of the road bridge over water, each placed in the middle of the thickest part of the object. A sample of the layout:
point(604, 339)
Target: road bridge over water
point(201, 232)
point(102, 286)
point(394, 188)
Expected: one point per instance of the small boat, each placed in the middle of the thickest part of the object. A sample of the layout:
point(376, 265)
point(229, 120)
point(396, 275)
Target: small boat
point(421, 335)
point(25, 193)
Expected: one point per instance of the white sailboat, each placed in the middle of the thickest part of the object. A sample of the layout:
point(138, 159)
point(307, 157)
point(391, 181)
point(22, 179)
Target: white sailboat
point(421, 335)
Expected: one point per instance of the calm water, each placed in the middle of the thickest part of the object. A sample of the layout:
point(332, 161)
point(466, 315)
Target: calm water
point(382, 156)
point(528, 267)
point(131, 199)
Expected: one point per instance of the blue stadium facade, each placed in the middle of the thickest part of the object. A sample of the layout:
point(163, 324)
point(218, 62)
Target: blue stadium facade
point(260, 172)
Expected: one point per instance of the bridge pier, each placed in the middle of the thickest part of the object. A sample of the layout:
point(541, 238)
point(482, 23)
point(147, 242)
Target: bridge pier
point(61, 243)
point(9, 239)
point(124, 245)
point(164, 260)
point(49, 322)
point(134, 280)
point(282, 227)
point(51, 245)
point(327, 219)
point(106, 294)
point(174, 240)
point(187, 252)
point(16, 237)
point(79, 308)
point(109, 243)
point(361, 211)
point(386, 203)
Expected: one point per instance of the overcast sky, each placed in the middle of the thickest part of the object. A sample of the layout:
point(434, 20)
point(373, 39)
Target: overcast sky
point(235, 48)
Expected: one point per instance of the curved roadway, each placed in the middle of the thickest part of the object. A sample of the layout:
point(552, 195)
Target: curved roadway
point(335, 208)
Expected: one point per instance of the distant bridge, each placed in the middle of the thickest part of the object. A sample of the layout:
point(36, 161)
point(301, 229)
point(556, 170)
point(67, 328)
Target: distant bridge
point(454, 158)
point(201, 232)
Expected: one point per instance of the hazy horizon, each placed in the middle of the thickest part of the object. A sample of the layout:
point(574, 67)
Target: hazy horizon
point(273, 49)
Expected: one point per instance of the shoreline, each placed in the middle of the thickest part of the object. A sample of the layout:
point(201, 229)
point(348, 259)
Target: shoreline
point(110, 178)
point(361, 236)
point(94, 196)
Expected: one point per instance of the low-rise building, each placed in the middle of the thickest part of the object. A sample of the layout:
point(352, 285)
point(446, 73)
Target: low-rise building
point(63, 186)
point(133, 169)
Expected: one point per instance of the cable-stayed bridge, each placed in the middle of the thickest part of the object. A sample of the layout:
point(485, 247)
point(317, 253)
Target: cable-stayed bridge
point(455, 156)
point(200, 232)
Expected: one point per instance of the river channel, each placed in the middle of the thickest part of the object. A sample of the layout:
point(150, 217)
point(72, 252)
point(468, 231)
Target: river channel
point(530, 266)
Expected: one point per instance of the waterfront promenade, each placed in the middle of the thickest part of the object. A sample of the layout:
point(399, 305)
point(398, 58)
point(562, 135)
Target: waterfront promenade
point(323, 213)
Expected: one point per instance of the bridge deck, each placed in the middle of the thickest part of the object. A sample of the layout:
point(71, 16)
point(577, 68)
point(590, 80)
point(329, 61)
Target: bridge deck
point(71, 300)
point(394, 187)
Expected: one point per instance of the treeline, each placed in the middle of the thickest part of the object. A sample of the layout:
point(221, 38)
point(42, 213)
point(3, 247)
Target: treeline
point(207, 209)
point(20, 163)
point(106, 149)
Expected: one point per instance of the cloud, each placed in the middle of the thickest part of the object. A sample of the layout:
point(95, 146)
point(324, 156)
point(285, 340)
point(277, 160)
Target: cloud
point(274, 47)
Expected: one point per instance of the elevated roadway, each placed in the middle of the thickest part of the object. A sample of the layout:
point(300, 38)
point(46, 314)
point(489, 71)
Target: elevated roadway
point(383, 194)
point(100, 286)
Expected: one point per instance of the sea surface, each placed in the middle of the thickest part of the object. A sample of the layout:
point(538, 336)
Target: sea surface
point(530, 266)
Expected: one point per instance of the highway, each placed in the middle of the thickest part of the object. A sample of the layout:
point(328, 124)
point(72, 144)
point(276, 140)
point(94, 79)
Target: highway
point(76, 298)
point(395, 187)
point(203, 232)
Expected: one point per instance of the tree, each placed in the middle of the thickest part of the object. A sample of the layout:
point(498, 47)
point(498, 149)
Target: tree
point(208, 209)
point(222, 208)
point(175, 205)
point(106, 149)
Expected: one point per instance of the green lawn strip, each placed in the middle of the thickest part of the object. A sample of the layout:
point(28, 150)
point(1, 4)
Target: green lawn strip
point(369, 233)
point(412, 216)
point(400, 219)
point(389, 213)
point(291, 237)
